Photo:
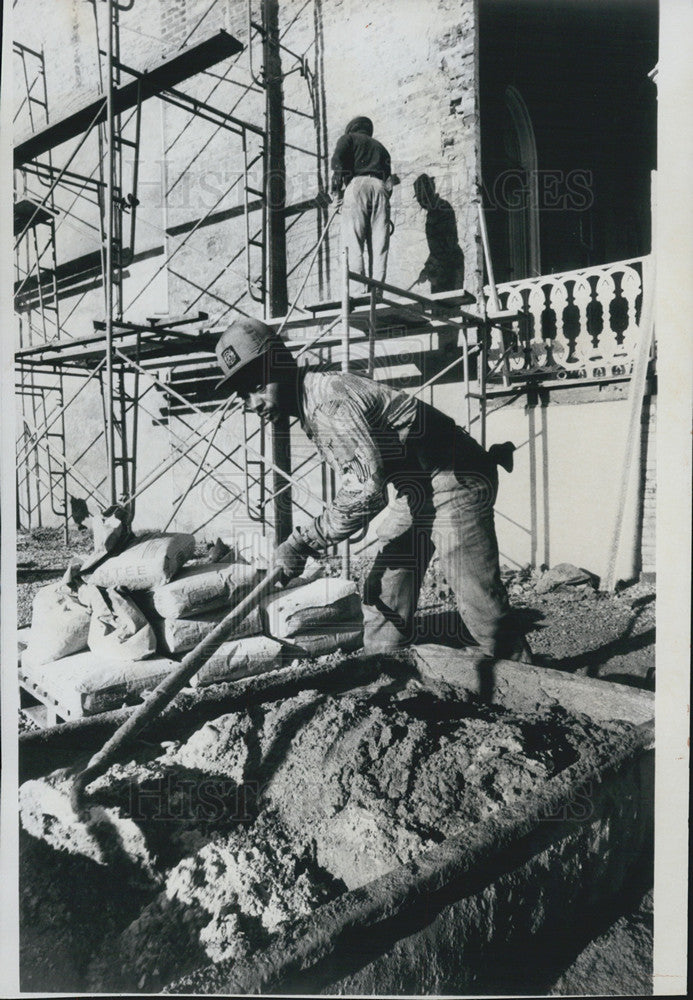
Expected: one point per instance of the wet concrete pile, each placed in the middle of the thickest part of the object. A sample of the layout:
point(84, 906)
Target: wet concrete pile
point(259, 817)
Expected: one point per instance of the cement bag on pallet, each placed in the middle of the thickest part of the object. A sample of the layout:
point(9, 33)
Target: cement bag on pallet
point(178, 635)
point(325, 605)
point(85, 683)
point(200, 589)
point(119, 630)
point(59, 623)
point(322, 643)
point(240, 658)
point(149, 562)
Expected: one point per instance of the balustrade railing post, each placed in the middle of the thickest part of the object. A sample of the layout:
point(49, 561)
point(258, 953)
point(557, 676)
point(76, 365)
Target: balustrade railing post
point(574, 347)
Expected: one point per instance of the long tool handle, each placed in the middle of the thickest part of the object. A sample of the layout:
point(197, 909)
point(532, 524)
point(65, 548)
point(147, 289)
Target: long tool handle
point(166, 691)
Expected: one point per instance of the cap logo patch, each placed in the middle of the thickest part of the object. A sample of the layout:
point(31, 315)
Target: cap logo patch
point(229, 357)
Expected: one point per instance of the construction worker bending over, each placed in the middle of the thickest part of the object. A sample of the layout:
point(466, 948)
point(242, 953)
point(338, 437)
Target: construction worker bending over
point(362, 178)
point(371, 436)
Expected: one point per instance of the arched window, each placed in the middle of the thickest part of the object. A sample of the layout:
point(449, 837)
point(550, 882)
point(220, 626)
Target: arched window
point(522, 188)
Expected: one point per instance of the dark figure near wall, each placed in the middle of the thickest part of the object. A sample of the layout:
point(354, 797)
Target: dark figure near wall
point(444, 267)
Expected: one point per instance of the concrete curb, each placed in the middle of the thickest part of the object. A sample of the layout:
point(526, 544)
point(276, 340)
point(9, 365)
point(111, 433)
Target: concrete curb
point(434, 925)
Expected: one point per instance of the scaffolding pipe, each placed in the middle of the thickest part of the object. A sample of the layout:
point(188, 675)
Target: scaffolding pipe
point(483, 361)
point(60, 411)
point(316, 340)
point(76, 475)
point(198, 468)
point(465, 369)
point(241, 444)
point(190, 233)
point(314, 253)
point(371, 333)
point(435, 378)
point(155, 474)
point(344, 316)
point(133, 403)
point(57, 180)
point(495, 301)
point(251, 25)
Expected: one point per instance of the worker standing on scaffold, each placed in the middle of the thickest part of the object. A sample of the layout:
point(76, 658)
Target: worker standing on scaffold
point(362, 183)
point(371, 436)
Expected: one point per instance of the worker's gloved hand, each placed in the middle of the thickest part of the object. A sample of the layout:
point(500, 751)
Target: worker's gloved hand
point(291, 556)
point(423, 276)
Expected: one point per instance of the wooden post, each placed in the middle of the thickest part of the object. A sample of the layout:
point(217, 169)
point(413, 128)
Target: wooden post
point(345, 549)
point(275, 195)
point(371, 334)
point(108, 262)
point(635, 398)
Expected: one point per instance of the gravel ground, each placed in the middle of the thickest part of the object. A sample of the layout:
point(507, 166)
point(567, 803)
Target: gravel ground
point(42, 558)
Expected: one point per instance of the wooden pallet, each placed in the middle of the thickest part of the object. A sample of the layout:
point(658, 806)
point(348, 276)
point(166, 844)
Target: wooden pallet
point(41, 706)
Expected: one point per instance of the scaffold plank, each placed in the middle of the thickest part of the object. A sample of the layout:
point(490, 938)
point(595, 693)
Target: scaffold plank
point(171, 347)
point(28, 212)
point(389, 316)
point(172, 71)
point(68, 276)
point(88, 351)
point(457, 297)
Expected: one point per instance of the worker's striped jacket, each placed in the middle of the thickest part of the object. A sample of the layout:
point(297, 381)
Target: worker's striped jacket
point(370, 435)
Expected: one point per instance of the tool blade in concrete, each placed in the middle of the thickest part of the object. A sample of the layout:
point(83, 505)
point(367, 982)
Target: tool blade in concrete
point(101, 833)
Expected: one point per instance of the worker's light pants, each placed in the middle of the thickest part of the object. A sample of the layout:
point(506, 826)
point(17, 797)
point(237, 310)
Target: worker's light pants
point(366, 224)
point(454, 517)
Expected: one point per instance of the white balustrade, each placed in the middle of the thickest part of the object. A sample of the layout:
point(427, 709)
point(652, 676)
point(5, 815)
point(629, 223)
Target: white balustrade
point(582, 323)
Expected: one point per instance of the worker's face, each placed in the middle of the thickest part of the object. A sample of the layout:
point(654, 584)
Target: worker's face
point(263, 400)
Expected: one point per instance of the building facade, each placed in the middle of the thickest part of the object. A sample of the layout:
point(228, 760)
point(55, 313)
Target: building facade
point(541, 114)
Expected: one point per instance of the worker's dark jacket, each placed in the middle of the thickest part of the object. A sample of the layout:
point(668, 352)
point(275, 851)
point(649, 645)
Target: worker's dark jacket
point(371, 435)
point(358, 155)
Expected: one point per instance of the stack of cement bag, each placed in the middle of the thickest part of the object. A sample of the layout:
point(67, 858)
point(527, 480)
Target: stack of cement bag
point(310, 618)
point(105, 637)
point(186, 610)
point(90, 647)
point(315, 618)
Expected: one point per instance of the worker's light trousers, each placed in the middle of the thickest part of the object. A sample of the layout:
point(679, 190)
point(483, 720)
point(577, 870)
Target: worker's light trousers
point(450, 513)
point(366, 225)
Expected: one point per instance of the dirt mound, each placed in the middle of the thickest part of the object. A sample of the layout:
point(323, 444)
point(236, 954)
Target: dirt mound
point(219, 904)
point(261, 816)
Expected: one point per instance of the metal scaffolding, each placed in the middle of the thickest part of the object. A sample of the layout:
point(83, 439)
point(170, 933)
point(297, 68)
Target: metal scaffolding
point(174, 355)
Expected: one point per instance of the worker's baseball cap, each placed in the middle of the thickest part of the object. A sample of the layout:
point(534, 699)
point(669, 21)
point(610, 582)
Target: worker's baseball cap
point(244, 341)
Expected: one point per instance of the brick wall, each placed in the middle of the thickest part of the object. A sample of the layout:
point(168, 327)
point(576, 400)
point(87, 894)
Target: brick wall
point(408, 64)
point(411, 68)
